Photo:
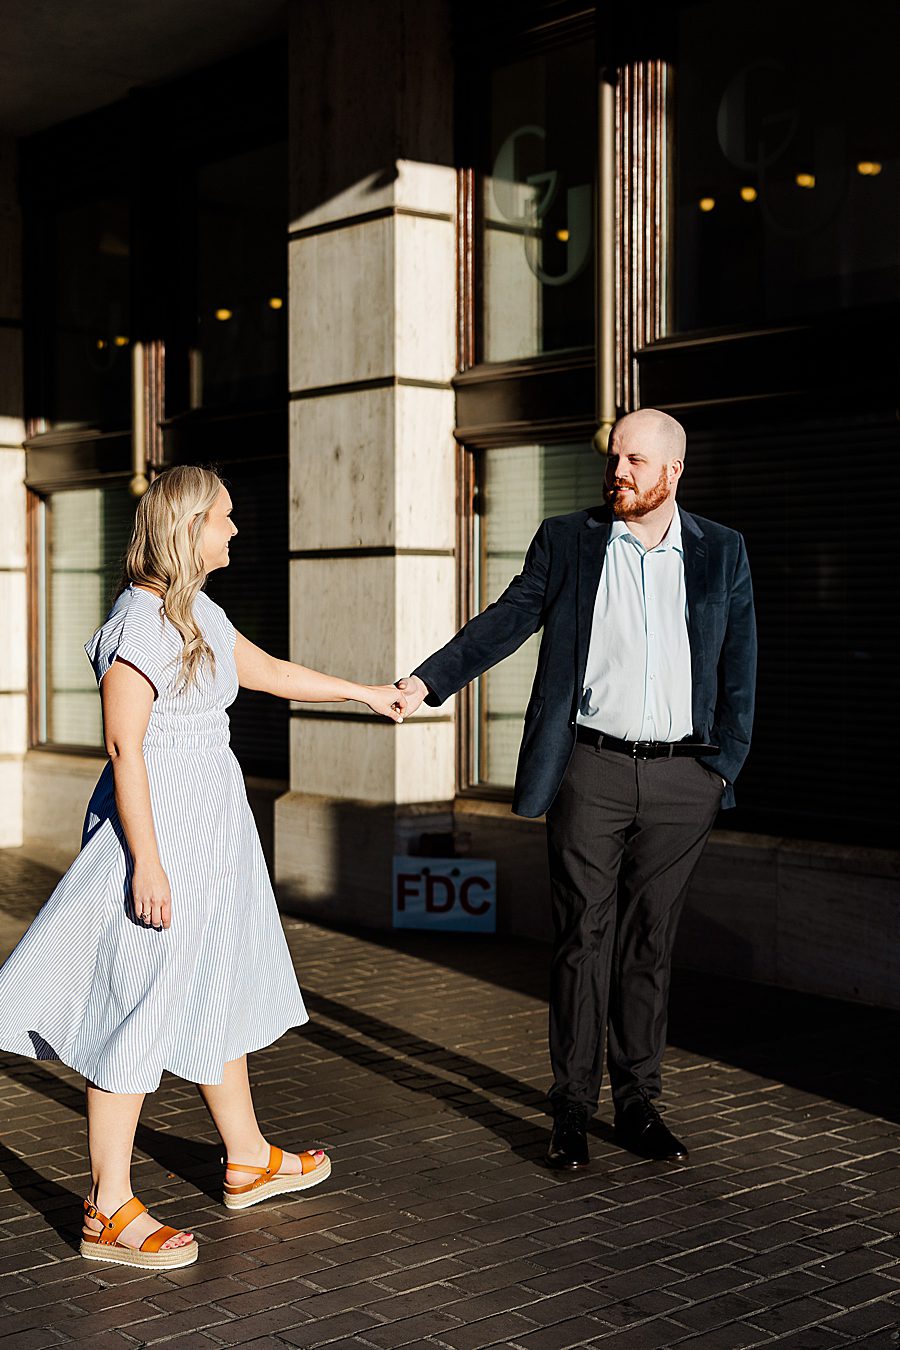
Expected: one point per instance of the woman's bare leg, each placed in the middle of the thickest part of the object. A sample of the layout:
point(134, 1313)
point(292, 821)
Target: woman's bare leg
point(230, 1103)
point(112, 1120)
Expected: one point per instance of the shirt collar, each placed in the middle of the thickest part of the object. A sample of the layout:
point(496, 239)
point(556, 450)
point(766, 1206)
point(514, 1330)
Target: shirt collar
point(671, 539)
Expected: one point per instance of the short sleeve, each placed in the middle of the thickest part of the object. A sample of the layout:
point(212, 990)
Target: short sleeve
point(216, 623)
point(229, 630)
point(134, 632)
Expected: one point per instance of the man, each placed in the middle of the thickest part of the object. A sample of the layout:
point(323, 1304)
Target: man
point(638, 724)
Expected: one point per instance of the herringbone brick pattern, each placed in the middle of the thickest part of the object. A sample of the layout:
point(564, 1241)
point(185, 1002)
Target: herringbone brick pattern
point(423, 1072)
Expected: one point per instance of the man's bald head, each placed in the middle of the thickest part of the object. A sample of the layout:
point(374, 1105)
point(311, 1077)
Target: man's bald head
point(644, 463)
point(654, 431)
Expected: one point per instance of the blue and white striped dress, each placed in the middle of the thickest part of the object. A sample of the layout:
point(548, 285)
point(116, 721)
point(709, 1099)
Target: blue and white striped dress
point(90, 985)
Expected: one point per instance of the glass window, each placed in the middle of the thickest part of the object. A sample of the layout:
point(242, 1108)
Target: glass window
point(86, 534)
point(518, 487)
point(88, 361)
point(787, 182)
point(537, 238)
point(242, 280)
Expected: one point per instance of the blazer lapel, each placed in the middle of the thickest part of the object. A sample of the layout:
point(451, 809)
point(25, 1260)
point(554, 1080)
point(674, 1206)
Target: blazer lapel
point(592, 542)
point(696, 590)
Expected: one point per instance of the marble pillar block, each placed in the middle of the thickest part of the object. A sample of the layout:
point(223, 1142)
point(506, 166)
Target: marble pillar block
point(342, 305)
point(374, 468)
point(372, 270)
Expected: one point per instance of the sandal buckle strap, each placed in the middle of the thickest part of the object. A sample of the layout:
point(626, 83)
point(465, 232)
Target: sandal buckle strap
point(112, 1227)
point(263, 1174)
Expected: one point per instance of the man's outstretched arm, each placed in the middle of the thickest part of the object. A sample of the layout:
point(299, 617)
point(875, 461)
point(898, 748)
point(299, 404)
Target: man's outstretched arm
point(492, 635)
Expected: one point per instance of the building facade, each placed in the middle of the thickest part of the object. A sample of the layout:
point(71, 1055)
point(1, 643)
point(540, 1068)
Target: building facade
point(395, 268)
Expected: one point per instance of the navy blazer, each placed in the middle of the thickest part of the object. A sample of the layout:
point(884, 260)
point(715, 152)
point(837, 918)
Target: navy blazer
point(556, 590)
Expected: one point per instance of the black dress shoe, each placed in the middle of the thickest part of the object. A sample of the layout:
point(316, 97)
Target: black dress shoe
point(639, 1128)
point(568, 1143)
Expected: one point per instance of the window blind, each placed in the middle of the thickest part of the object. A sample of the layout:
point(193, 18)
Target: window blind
point(815, 504)
point(87, 532)
point(520, 486)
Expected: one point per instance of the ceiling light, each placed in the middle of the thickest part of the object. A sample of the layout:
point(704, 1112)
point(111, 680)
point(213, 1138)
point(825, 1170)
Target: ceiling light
point(749, 194)
point(275, 302)
point(120, 340)
point(707, 203)
point(223, 315)
point(805, 180)
point(869, 168)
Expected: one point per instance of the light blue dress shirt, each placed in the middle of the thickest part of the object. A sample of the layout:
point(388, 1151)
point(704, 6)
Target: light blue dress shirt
point(637, 683)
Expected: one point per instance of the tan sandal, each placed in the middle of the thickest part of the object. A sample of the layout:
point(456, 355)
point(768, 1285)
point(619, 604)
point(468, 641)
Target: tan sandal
point(270, 1181)
point(106, 1247)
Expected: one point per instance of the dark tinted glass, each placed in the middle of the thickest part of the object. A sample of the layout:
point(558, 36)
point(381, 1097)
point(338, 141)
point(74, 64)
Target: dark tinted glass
point(242, 279)
point(824, 605)
point(787, 167)
point(87, 350)
point(537, 241)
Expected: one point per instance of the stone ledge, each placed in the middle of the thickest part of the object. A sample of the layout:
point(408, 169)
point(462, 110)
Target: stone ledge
point(815, 854)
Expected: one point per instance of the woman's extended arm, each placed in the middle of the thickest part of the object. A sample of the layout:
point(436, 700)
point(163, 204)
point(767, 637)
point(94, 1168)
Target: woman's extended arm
point(127, 698)
point(258, 670)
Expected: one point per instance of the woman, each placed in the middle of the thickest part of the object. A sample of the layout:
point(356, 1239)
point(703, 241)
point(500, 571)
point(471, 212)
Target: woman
point(161, 947)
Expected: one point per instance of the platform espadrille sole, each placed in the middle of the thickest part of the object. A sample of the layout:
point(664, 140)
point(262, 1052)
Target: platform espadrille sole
point(173, 1259)
point(279, 1185)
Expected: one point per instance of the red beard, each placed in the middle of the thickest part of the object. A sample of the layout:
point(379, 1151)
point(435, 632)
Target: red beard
point(632, 505)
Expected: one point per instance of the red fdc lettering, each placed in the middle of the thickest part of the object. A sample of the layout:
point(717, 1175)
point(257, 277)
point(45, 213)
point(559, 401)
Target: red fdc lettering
point(470, 906)
point(432, 904)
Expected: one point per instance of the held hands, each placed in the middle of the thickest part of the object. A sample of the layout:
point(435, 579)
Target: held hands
point(414, 691)
point(396, 701)
point(385, 700)
point(151, 895)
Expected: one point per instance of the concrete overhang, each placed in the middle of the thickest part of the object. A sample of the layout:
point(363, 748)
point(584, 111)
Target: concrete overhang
point(62, 58)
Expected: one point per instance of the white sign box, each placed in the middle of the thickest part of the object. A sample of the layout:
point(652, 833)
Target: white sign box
point(448, 895)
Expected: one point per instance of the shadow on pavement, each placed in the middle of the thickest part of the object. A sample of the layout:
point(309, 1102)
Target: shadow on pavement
point(191, 1160)
point(527, 1140)
point(60, 1207)
point(844, 1052)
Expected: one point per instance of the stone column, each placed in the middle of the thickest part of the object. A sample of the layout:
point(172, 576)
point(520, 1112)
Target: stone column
point(13, 629)
point(372, 254)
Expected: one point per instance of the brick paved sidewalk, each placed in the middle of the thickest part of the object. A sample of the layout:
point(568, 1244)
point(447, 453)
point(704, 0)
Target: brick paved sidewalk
point(423, 1072)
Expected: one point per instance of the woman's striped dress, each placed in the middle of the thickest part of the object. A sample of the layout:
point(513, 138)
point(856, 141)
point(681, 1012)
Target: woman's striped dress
point(90, 985)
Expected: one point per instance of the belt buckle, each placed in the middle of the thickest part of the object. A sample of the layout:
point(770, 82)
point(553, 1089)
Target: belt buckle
point(641, 749)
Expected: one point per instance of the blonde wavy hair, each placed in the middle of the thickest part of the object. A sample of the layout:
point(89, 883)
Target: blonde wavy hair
point(164, 553)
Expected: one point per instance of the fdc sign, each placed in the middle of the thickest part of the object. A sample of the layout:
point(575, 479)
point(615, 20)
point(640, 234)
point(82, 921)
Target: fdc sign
point(452, 895)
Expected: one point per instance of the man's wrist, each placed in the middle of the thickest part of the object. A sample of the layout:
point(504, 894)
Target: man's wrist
point(407, 679)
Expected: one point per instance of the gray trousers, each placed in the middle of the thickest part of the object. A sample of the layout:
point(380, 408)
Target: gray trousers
point(624, 838)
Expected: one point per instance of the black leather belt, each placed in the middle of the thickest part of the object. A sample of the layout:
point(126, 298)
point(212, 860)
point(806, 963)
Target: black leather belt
point(645, 749)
